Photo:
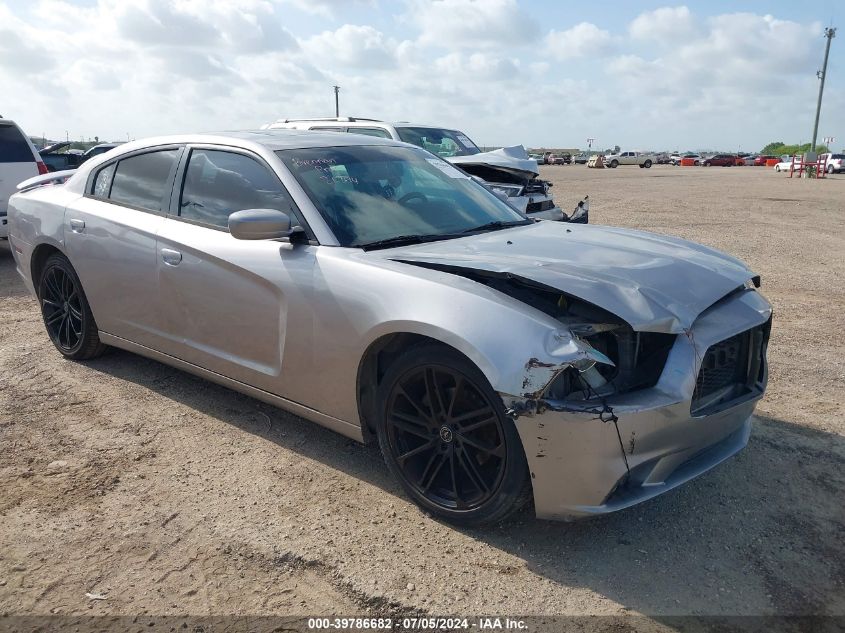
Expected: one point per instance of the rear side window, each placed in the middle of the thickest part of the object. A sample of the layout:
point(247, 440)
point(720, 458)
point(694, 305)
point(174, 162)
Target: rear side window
point(143, 180)
point(14, 147)
point(218, 183)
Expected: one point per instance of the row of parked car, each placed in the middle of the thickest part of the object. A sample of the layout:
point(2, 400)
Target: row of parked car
point(563, 158)
point(835, 162)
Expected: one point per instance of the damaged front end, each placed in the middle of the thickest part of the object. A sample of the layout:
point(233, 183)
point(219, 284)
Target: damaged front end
point(613, 416)
point(513, 176)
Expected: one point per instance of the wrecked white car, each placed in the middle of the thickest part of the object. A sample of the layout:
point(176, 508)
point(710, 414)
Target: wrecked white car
point(509, 172)
point(375, 289)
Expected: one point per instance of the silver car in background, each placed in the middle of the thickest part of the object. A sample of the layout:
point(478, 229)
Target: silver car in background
point(372, 287)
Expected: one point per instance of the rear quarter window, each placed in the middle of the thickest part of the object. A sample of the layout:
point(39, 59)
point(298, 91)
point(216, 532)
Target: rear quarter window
point(102, 183)
point(14, 148)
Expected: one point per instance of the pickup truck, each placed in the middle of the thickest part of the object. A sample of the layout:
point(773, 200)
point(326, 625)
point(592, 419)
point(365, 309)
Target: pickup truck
point(630, 158)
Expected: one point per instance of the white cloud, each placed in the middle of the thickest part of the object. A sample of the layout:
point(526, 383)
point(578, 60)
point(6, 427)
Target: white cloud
point(460, 24)
point(738, 56)
point(353, 46)
point(733, 79)
point(580, 40)
point(326, 8)
point(664, 27)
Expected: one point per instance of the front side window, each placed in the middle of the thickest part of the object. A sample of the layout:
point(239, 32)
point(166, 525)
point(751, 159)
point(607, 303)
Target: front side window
point(143, 180)
point(369, 194)
point(437, 141)
point(218, 183)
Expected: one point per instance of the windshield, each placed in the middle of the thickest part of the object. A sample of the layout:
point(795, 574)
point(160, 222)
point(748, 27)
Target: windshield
point(437, 141)
point(372, 193)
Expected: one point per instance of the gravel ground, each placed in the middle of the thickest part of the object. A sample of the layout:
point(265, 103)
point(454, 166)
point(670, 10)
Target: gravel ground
point(168, 495)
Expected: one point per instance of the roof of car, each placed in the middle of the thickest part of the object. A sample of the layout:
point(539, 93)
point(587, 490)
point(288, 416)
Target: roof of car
point(272, 139)
point(356, 122)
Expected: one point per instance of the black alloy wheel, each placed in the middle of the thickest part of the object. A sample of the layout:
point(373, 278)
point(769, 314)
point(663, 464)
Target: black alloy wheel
point(445, 436)
point(67, 316)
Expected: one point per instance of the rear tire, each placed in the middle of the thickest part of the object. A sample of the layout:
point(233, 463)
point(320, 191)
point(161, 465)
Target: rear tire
point(445, 437)
point(65, 310)
point(647, 164)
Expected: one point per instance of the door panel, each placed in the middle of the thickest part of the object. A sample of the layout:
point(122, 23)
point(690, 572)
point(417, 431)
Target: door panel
point(229, 305)
point(113, 249)
point(112, 246)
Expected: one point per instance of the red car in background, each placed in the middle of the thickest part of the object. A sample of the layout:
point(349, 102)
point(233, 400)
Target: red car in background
point(760, 161)
point(723, 160)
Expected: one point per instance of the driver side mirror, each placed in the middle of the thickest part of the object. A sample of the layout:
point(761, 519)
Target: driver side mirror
point(261, 224)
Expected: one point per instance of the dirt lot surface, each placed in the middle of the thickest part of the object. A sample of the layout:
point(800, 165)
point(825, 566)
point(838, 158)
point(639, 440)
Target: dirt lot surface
point(168, 495)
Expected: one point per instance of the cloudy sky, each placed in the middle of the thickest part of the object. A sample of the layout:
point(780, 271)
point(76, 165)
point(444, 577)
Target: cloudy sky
point(705, 75)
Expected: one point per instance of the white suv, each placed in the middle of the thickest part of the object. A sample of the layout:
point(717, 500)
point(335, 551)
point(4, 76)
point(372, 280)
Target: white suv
point(835, 163)
point(19, 161)
point(509, 172)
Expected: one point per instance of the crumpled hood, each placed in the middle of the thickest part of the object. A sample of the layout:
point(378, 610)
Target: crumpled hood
point(513, 159)
point(655, 283)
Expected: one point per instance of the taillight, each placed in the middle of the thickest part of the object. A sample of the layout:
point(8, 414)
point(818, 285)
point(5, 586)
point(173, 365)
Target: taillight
point(42, 168)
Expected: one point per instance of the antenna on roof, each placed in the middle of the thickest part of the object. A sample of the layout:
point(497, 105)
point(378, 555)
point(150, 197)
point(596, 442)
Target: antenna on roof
point(336, 101)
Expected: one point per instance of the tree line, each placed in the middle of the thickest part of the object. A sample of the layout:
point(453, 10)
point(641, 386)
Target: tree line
point(779, 148)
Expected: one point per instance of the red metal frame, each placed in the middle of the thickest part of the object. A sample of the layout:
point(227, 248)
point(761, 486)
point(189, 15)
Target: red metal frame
point(799, 166)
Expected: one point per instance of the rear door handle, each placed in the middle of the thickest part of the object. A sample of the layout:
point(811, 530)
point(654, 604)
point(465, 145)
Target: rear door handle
point(77, 226)
point(171, 257)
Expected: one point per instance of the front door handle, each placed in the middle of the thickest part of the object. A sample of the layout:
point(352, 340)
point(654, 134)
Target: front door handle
point(77, 226)
point(171, 257)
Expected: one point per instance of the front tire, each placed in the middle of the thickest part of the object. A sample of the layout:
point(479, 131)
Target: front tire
point(444, 435)
point(65, 310)
point(614, 164)
point(830, 169)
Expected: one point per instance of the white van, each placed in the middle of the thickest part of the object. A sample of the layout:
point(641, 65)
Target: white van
point(19, 161)
point(509, 172)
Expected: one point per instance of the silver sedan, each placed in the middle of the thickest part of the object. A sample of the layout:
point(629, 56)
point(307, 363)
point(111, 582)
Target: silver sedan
point(373, 288)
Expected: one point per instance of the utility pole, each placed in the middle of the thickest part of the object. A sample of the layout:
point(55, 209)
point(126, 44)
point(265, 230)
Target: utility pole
point(336, 101)
point(829, 33)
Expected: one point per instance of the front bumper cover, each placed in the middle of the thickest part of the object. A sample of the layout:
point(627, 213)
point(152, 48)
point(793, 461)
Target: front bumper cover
point(587, 459)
